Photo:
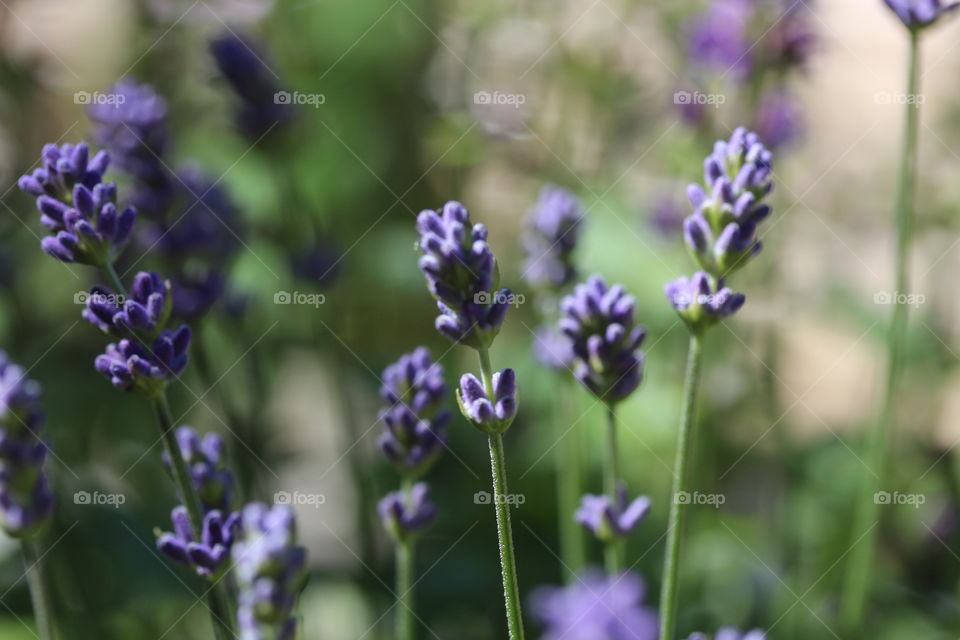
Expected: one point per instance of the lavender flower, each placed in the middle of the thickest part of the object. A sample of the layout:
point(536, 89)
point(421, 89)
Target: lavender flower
point(920, 14)
point(553, 348)
point(729, 633)
point(270, 570)
point(719, 39)
point(206, 461)
point(147, 309)
point(721, 233)
point(414, 388)
point(553, 229)
point(489, 415)
point(26, 501)
point(406, 516)
point(261, 106)
point(609, 519)
point(461, 274)
point(778, 119)
point(594, 607)
point(208, 556)
point(131, 366)
point(699, 303)
point(599, 320)
point(63, 168)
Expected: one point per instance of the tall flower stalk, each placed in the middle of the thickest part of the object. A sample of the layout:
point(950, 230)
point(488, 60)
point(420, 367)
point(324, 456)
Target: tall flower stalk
point(462, 275)
point(88, 227)
point(414, 421)
point(916, 17)
point(605, 341)
point(721, 235)
point(26, 502)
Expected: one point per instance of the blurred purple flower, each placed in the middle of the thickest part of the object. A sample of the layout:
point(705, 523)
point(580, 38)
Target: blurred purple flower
point(609, 519)
point(406, 516)
point(552, 232)
point(919, 14)
point(490, 415)
point(729, 633)
point(666, 215)
point(594, 607)
point(600, 322)
point(719, 38)
point(553, 348)
point(206, 460)
point(778, 119)
point(207, 556)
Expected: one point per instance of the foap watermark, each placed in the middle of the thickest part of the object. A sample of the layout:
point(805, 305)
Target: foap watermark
point(98, 97)
point(96, 498)
point(896, 498)
point(898, 98)
point(298, 498)
point(298, 297)
point(498, 297)
point(698, 97)
point(898, 297)
point(706, 499)
point(83, 297)
point(515, 100)
point(512, 499)
point(298, 97)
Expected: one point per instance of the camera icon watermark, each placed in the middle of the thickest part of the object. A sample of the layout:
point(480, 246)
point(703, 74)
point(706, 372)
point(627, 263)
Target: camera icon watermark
point(701, 499)
point(515, 100)
point(699, 98)
point(512, 499)
point(487, 298)
point(896, 498)
point(297, 498)
point(98, 97)
point(83, 297)
point(297, 297)
point(896, 297)
point(297, 97)
point(899, 99)
point(96, 498)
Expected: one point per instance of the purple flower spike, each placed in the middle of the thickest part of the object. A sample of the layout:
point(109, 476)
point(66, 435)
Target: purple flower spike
point(414, 419)
point(145, 311)
point(729, 633)
point(208, 556)
point(270, 568)
point(62, 168)
point(609, 519)
point(130, 366)
point(701, 304)
point(721, 233)
point(719, 39)
point(206, 461)
point(920, 14)
point(462, 275)
point(490, 416)
point(599, 320)
point(595, 607)
point(406, 516)
point(553, 229)
point(26, 500)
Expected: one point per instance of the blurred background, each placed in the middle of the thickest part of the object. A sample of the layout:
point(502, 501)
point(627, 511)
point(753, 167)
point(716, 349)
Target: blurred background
point(387, 107)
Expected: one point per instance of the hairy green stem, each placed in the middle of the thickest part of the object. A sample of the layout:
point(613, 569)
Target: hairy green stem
point(404, 585)
point(39, 589)
point(857, 578)
point(501, 499)
point(569, 470)
point(678, 498)
point(218, 601)
point(613, 552)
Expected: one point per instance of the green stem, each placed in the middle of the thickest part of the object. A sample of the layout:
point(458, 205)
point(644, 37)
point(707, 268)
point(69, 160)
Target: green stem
point(857, 579)
point(613, 551)
point(115, 281)
point(569, 482)
point(39, 591)
point(218, 601)
point(668, 595)
point(404, 586)
point(501, 496)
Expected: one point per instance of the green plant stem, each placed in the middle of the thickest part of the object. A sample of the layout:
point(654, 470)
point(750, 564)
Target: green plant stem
point(39, 591)
point(613, 551)
point(498, 467)
point(569, 470)
point(404, 586)
point(115, 281)
point(857, 578)
point(218, 601)
point(669, 592)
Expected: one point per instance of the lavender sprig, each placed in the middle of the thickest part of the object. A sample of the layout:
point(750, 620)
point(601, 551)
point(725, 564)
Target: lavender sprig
point(461, 273)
